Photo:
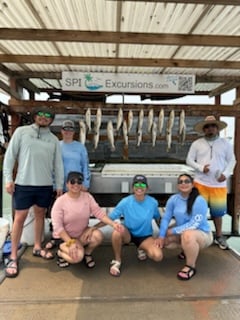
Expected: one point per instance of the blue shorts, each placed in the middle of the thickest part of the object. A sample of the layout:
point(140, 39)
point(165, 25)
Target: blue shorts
point(25, 197)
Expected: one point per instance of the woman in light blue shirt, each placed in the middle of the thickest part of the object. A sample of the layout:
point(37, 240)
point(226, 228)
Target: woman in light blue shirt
point(191, 229)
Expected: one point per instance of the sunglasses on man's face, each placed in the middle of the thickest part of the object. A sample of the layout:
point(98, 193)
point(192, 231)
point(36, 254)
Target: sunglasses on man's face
point(75, 181)
point(140, 185)
point(185, 181)
point(44, 114)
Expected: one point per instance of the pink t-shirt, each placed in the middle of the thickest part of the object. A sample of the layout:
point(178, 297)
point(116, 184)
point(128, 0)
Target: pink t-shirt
point(72, 215)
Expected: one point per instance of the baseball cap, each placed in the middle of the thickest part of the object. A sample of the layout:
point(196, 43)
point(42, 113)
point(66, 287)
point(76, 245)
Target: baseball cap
point(139, 178)
point(75, 175)
point(44, 110)
point(68, 125)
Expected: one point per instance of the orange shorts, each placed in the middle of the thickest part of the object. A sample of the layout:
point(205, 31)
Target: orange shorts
point(215, 197)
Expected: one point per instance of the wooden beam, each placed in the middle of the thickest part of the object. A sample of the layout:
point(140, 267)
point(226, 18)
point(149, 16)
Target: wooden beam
point(119, 37)
point(79, 107)
point(29, 85)
point(10, 91)
point(223, 88)
point(106, 61)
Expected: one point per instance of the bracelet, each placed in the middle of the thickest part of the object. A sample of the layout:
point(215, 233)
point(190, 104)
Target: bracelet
point(70, 242)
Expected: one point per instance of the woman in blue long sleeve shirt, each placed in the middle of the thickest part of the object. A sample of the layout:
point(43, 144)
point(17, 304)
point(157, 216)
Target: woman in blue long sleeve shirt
point(191, 229)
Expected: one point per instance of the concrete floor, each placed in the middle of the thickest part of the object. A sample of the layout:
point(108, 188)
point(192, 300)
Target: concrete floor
point(145, 290)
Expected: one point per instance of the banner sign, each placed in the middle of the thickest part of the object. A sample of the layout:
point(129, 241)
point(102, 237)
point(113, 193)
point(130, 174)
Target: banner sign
point(127, 83)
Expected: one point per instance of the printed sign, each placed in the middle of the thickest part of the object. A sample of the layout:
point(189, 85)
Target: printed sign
point(127, 83)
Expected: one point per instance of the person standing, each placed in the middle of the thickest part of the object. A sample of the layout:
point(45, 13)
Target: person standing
point(213, 159)
point(74, 154)
point(35, 150)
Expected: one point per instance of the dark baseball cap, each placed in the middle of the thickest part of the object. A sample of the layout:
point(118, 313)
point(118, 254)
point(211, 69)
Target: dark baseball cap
point(139, 178)
point(75, 175)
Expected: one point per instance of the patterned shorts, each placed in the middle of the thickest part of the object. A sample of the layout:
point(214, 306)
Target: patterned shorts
point(215, 197)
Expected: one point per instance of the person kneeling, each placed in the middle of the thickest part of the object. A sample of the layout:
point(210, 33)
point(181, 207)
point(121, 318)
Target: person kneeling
point(71, 213)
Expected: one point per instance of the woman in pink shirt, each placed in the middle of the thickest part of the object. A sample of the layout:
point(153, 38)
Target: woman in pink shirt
point(70, 218)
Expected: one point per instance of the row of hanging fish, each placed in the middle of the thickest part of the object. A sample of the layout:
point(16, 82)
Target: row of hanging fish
point(154, 127)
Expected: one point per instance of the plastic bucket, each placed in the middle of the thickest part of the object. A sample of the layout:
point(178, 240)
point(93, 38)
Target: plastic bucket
point(4, 229)
point(28, 229)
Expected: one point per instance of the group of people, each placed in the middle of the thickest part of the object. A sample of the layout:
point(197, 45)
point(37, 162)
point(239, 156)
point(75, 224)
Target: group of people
point(44, 164)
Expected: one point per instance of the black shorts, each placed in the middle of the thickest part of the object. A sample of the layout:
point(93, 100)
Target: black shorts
point(25, 197)
point(138, 240)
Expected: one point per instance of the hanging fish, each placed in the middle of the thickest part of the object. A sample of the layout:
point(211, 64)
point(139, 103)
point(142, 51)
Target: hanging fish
point(182, 127)
point(82, 132)
point(119, 119)
point(130, 120)
point(140, 120)
point(125, 133)
point(181, 121)
point(139, 137)
point(169, 129)
point(88, 119)
point(169, 140)
point(110, 134)
point(160, 121)
point(150, 119)
point(182, 136)
point(98, 120)
point(171, 120)
point(154, 133)
point(96, 139)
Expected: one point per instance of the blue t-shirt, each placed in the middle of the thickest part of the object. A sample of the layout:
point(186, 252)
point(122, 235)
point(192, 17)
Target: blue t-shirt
point(137, 215)
point(176, 208)
point(75, 158)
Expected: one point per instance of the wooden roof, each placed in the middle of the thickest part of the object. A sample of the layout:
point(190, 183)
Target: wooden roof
point(40, 39)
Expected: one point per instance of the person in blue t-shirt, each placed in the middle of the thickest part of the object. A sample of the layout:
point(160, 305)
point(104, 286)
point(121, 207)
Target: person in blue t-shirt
point(138, 210)
point(191, 230)
point(74, 154)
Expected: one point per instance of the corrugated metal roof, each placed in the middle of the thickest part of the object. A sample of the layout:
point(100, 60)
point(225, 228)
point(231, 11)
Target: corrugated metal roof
point(151, 17)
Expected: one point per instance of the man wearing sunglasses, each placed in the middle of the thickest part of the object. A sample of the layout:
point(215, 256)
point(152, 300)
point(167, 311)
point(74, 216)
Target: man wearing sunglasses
point(36, 151)
point(138, 211)
point(213, 159)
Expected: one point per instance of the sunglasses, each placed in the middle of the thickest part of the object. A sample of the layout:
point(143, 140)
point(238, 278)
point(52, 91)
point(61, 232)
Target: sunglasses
point(75, 181)
point(140, 185)
point(44, 114)
point(186, 181)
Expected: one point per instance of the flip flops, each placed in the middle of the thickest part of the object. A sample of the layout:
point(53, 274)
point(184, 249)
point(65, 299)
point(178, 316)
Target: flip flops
point(43, 253)
point(12, 264)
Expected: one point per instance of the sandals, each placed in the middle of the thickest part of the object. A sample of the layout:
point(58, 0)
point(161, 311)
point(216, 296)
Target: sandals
point(141, 254)
point(115, 268)
point(43, 253)
point(89, 261)
point(53, 243)
point(12, 264)
point(62, 263)
point(181, 256)
point(186, 275)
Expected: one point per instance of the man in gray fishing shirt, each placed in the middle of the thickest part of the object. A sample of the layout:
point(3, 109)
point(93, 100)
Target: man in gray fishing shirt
point(36, 151)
